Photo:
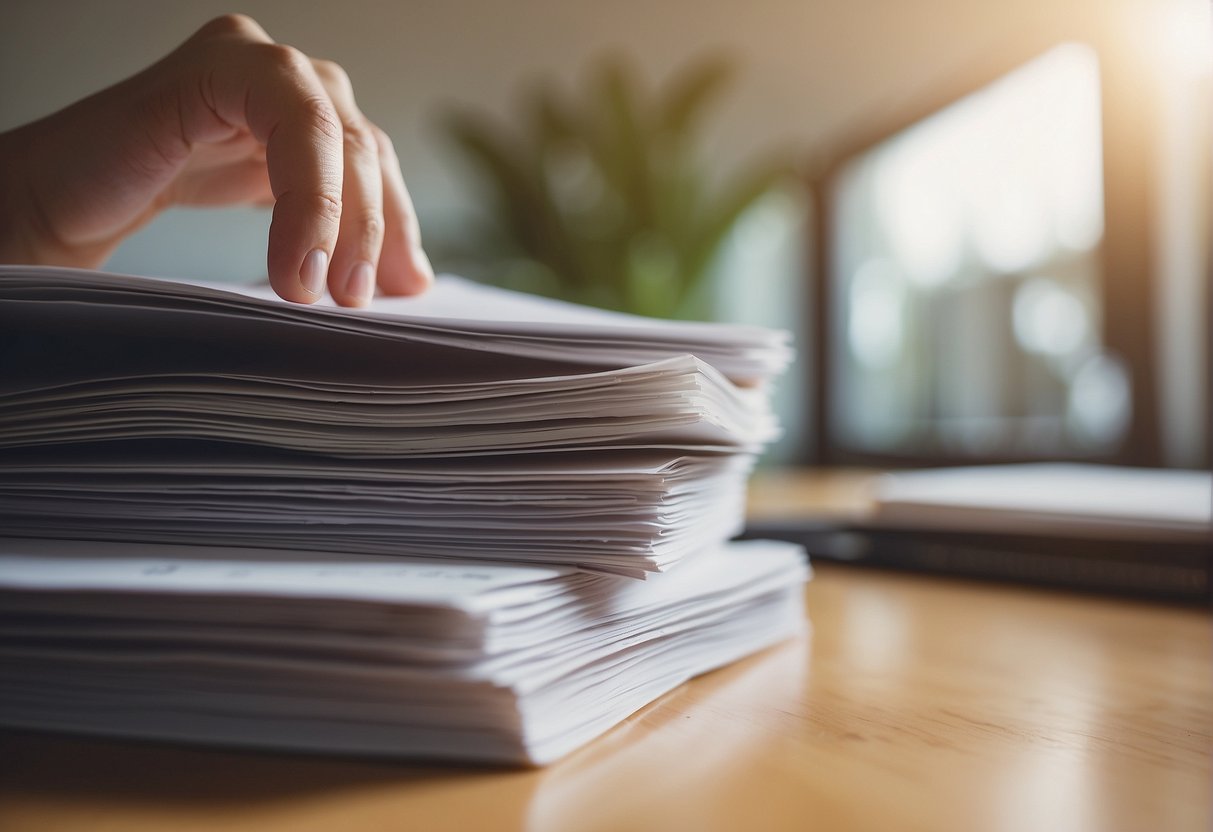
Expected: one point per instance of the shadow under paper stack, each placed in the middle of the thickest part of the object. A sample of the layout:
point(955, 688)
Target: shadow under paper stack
point(199, 487)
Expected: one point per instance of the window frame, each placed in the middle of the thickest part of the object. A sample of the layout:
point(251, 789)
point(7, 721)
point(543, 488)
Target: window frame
point(1128, 280)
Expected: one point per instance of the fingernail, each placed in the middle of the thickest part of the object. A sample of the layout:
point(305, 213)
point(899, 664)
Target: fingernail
point(314, 271)
point(360, 282)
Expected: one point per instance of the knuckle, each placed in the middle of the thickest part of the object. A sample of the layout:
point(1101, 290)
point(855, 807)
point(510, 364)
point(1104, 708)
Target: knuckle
point(322, 204)
point(359, 139)
point(319, 111)
point(285, 58)
point(383, 142)
point(230, 24)
point(332, 74)
point(371, 224)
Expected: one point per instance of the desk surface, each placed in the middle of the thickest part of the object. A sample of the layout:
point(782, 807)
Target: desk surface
point(916, 703)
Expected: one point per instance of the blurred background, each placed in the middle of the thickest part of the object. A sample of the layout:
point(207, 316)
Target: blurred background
point(988, 224)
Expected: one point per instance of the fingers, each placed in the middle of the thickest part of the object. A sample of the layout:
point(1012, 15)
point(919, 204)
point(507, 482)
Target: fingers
point(227, 173)
point(355, 261)
point(342, 217)
point(380, 241)
point(241, 79)
point(404, 268)
point(235, 183)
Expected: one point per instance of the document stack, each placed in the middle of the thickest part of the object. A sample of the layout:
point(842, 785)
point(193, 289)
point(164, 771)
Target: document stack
point(473, 525)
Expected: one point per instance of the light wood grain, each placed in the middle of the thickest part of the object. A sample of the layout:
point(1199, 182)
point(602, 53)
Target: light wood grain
point(792, 494)
point(916, 704)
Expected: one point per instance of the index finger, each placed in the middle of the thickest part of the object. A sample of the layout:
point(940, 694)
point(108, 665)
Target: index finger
point(245, 80)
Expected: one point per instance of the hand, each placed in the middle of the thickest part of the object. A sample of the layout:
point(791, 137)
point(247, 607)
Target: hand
point(229, 117)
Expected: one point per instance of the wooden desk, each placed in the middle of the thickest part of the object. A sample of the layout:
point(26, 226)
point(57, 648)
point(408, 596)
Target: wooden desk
point(916, 704)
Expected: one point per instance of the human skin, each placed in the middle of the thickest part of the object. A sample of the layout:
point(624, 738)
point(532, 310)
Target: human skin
point(229, 117)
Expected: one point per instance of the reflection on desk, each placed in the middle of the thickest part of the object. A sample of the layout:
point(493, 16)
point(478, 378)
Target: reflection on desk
point(915, 704)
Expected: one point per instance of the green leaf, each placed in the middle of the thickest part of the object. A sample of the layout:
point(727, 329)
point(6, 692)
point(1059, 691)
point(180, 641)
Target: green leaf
point(652, 286)
point(552, 123)
point(600, 193)
point(526, 208)
point(689, 93)
point(725, 210)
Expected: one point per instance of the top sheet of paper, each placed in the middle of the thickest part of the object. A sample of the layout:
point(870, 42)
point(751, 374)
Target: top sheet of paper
point(453, 313)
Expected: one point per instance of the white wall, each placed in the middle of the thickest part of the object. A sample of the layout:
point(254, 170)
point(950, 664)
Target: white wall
point(812, 68)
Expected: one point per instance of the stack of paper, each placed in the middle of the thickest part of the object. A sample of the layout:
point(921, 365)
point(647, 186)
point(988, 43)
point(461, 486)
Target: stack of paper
point(678, 402)
point(1145, 533)
point(463, 661)
point(626, 512)
point(148, 411)
point(513, 333)
point(196, 483)
point(1052, 498)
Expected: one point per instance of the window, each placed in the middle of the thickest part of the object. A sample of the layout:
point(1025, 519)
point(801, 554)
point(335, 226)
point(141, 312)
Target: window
point(966, 304)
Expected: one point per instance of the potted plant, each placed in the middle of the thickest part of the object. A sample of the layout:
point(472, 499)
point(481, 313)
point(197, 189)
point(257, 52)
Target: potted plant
point(602, 197)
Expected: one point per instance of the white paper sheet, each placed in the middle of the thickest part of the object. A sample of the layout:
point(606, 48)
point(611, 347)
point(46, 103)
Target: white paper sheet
point(454, 313)
point(285, 650)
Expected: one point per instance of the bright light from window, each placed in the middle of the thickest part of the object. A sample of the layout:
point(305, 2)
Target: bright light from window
point(1008, 174)
point(967, 269)
point(1100, 403)
point(1048, 319)
point(1186, 34)
point(877, 310)
point(918, 204)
